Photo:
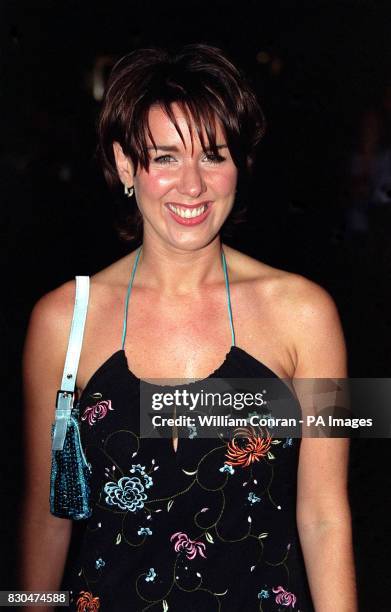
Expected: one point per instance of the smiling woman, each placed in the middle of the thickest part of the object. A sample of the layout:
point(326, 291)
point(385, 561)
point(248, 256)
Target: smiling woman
point(168, 520)
point(187, 187)
point(202, 97)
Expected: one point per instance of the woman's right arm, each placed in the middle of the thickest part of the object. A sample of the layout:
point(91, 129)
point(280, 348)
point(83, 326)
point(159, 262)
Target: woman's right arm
point(44, 538)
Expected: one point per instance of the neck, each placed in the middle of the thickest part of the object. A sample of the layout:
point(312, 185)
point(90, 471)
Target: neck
point(180, 272)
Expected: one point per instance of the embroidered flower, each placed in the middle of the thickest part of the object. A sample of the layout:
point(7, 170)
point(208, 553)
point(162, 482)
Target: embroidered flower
point(284, 597)
point(87, 603)
point(99, 563)
point(263, 594)
point(253, 498)
point(96, 412)
point(138, 468)
point(227, 468)
point(191, 547)
point(150, 577)
point(288, 442)
point(127, 494)
point(144, 531)
point(247, 447)
point(148, 482)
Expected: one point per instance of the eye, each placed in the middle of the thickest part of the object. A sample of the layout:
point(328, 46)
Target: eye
point(215, 159)
point(164, 159)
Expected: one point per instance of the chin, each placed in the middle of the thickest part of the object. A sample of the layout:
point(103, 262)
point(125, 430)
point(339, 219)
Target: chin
point(191, 242)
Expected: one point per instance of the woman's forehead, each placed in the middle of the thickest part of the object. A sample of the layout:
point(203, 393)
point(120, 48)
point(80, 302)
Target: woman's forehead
point(164, 131)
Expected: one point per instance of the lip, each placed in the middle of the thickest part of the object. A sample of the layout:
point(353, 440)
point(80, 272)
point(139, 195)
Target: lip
point(191, 221)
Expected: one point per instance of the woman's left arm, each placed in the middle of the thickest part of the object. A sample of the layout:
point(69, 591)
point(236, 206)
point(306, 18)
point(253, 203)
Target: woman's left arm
point(323, 512)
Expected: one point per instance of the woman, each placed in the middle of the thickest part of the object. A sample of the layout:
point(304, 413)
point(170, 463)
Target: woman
point(194, 525)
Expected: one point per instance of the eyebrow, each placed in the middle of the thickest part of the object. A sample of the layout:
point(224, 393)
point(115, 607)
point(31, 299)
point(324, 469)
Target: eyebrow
point(174, 149)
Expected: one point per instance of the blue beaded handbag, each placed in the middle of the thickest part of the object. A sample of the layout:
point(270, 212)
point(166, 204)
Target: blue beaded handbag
point(70, 471)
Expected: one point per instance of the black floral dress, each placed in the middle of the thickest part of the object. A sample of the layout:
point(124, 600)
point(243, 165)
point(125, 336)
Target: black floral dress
point(208, 528)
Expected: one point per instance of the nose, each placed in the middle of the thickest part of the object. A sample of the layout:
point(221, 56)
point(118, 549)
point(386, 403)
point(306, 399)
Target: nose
point(191, 181)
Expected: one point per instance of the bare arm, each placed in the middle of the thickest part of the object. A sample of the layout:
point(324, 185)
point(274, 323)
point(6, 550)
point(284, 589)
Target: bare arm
point(44, 538)
point(323, 513)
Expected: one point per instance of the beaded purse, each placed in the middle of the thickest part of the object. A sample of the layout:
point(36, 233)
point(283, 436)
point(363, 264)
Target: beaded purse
point(70, 471)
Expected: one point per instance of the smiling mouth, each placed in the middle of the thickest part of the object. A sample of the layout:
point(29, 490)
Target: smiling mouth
point(188, 213)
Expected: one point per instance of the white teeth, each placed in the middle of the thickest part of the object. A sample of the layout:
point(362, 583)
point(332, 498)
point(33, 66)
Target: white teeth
point(187, 213)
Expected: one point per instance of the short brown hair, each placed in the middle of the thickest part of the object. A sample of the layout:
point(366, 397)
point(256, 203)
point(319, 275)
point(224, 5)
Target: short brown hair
point(206, 86)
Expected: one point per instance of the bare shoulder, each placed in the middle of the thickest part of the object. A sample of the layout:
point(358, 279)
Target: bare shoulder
point(291, 288)
point(302, 298)
point(52, 314)
point(305, 301)
point(56, 306)
point(309, 319)
point(301, 312)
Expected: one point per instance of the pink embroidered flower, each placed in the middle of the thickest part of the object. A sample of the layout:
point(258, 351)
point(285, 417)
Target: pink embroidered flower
point(96, 412)
point(284, 597)
point(191, 547)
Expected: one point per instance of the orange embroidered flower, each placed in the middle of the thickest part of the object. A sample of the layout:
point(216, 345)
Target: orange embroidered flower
point(251, 447)
point(87, 603)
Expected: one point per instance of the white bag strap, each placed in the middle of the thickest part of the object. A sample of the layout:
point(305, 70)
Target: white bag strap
point(65, 395)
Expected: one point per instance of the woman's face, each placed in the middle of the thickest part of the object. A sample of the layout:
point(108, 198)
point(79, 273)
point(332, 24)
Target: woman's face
point(186, 195)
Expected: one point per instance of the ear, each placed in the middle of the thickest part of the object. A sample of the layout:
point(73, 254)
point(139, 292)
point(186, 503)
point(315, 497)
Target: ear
point(124, 165)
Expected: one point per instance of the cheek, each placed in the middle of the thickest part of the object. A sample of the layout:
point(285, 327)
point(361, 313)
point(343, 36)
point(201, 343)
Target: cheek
point(151, 185)
point(225, 182)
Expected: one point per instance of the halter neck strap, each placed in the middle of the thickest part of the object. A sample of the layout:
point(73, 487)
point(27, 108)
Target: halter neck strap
point(231, 323)
point(125, 323)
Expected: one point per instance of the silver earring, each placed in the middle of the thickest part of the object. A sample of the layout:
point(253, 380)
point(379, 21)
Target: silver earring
point(129, 191)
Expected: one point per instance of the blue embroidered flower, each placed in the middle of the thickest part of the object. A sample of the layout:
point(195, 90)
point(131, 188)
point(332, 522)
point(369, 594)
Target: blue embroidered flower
point(288, 442)
point(138, 468)
point(148, 482)
point(99, 563)
point(144, 531)
point(253, 498)
point(192, 431)
point(127, 494)
point(150, 577)
point(227, 468)
point(263, 594)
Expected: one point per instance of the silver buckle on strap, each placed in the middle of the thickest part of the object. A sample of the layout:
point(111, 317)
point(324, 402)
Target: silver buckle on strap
point(64, 405)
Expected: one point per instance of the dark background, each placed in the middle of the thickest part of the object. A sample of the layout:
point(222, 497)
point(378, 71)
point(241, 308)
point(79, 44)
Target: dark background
point(317, 68)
